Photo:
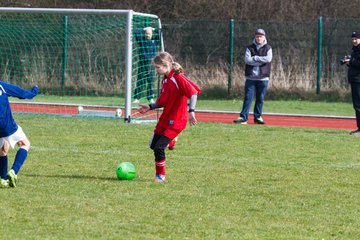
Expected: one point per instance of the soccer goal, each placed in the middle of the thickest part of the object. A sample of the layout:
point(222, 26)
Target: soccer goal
point(85, 62)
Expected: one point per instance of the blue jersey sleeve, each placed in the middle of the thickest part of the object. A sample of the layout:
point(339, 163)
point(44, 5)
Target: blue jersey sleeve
point(15, 91)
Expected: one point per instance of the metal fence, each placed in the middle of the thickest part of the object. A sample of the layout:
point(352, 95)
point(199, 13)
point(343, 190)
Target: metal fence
point(203, 48)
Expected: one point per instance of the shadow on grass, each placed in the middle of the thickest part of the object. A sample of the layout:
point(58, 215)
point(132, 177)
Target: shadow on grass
point(83, 177)
point(71, 177)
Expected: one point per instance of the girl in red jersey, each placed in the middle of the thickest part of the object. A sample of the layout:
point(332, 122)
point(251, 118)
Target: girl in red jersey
point(176, 90)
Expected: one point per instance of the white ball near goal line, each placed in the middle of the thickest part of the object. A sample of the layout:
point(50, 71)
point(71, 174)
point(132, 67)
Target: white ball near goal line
point(118, 112)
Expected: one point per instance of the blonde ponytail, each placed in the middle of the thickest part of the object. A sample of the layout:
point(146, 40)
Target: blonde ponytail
point(165, 58)
point(177, 68)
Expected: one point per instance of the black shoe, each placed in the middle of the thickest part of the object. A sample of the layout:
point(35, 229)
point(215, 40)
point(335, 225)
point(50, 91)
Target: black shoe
point(355, 133)
point(259, 120)
point(240, 120)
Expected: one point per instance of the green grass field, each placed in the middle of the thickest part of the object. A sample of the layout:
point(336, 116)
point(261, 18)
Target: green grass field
point(224, 181)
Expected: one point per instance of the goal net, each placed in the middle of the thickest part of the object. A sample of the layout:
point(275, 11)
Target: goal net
point(86, 63)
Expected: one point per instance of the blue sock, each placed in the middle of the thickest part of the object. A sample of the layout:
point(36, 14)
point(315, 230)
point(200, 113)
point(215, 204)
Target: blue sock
point(19, 160)
point(3, 167)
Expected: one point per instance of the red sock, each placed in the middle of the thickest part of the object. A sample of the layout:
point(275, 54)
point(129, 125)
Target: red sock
point(160, 167)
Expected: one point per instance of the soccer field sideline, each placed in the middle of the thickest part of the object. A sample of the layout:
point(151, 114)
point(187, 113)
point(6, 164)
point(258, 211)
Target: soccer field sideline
point(221, 116)
point(280, 119)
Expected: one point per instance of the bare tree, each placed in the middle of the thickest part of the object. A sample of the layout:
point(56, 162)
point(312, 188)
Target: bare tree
point(260, 10)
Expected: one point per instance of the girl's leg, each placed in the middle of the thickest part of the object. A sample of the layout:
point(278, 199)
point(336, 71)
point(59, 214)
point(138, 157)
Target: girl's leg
point(171, 145)
point(159, 144)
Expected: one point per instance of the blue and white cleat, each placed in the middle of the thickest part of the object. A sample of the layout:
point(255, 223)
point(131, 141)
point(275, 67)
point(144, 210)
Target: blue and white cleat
point(159, 178)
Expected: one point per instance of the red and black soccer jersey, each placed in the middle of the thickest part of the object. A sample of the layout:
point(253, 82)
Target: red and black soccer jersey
point(175, 91)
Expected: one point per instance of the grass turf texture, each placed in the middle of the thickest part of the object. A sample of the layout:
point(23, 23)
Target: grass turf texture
point(250, 182)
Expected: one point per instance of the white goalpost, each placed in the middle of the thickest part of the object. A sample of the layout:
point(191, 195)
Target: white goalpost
point(80, 58)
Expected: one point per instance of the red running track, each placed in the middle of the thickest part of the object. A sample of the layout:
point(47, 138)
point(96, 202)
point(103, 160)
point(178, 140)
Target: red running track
point(283, 120)
point(348, 123)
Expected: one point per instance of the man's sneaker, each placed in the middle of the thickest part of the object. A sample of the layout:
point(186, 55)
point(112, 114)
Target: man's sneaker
point(159, 178)
point(12, 178)
point(171, 145)
point(4, 183)
point(240, 120)
point(136, 101)
point(259, 120)
point(355, 133)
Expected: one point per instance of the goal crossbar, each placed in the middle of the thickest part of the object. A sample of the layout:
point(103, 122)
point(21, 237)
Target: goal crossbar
point(73, 11)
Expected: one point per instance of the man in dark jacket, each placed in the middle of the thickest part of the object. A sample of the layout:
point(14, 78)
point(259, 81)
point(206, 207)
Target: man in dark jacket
point(354, 77)
point(258, 56)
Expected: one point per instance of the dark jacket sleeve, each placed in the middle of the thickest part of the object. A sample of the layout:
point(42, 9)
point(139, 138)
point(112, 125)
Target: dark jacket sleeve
point(355, 61)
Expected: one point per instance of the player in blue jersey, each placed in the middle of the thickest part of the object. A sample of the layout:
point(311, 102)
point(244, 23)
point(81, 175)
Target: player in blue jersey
point(11, 133)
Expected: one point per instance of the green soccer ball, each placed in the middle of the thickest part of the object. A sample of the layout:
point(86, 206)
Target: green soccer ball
point(126, 171)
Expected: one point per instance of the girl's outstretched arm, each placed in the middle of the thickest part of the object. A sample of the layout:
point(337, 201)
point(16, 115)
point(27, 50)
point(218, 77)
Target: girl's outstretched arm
point(143, 108)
